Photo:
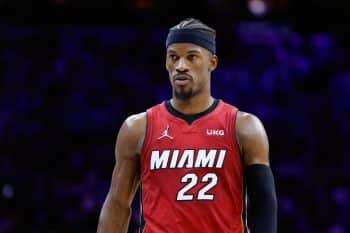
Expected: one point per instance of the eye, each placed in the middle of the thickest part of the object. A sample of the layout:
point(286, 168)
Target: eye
point(192, 57)
point(173, 57)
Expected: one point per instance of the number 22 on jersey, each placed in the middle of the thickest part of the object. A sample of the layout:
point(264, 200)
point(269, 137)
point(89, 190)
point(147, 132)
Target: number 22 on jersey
point(191, 180)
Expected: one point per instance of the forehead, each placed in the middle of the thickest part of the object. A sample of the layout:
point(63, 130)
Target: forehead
point(185, 48)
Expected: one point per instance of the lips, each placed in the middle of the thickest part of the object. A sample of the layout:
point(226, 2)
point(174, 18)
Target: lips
point(182, 79)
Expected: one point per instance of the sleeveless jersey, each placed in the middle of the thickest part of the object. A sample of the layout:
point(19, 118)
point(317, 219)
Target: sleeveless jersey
point(191, 174)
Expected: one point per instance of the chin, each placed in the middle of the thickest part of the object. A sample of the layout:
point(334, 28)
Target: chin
point(183, 94)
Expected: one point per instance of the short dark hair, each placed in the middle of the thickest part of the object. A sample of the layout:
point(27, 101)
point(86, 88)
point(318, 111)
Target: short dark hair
point(192, 23)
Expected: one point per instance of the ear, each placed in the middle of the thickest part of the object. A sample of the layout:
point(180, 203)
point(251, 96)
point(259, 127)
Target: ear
point(166, 63)
point(213, 62)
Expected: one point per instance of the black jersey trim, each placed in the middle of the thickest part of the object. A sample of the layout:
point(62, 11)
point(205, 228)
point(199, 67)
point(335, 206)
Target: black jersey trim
point(189, 118)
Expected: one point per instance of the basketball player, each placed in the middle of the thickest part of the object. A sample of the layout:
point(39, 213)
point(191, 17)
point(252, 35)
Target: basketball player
point(194, 155)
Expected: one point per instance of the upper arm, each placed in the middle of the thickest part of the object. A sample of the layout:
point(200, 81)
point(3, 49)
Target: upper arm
point(126, 173)
point(252, 139)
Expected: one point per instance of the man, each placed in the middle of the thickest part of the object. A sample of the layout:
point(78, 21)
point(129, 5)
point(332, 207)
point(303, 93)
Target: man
point(191, 154)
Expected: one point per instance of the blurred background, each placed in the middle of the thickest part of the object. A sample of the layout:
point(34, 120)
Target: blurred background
point(71, 71)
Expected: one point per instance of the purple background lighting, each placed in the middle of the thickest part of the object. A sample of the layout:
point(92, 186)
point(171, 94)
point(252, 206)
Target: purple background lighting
point(66, 89)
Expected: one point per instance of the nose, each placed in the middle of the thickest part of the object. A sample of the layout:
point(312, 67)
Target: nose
point(181, 66)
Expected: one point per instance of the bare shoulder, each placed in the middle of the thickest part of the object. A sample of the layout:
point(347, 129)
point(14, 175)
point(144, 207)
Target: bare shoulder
point(131, 134)
point(252, 138)
point(136, 122)
point(247, 123)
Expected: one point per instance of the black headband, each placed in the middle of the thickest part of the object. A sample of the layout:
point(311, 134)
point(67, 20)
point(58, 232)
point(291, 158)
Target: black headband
point(201, 38)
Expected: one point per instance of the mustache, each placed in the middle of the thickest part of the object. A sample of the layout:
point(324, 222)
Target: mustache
point(182, 76)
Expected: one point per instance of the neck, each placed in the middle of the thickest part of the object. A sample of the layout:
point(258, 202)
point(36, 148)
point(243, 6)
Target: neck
point(193, 105)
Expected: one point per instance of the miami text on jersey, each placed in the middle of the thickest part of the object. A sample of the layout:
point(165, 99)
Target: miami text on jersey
point(188, 158)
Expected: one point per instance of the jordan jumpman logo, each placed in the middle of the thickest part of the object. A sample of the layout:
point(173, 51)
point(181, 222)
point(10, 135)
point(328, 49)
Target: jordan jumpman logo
point(165, 134)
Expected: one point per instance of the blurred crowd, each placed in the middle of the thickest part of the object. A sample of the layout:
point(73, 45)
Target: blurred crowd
point(65, 91)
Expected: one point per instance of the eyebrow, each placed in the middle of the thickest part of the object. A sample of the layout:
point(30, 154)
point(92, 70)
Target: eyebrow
point(171, 51)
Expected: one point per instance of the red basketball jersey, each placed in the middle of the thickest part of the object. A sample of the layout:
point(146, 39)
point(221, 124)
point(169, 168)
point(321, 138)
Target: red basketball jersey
point(191, 173)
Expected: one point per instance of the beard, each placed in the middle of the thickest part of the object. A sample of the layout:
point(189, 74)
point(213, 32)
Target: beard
point(183, 94)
